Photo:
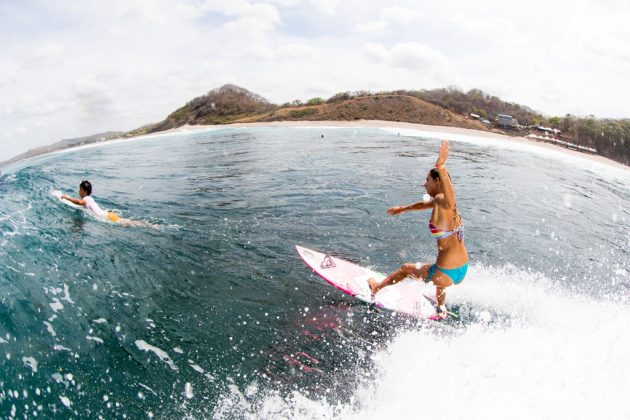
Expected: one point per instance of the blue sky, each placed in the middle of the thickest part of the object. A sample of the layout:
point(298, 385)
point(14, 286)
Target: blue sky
point(73, 68)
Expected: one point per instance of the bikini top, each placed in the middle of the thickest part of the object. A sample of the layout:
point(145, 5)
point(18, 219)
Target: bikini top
point(441, 234)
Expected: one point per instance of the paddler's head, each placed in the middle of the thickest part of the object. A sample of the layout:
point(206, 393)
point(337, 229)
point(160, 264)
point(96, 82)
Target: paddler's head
point(85, 188)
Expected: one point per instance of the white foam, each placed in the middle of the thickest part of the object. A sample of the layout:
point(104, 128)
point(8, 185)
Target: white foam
point(96, 339)
point(147, 388)
point(65, 400)
point(197, 367)
point(59, 347)
point(56, 305)
point(161, 354)
point(50, 329)
point(544, 352)
point(66, 294)
point(30, 362)
point(188, 391)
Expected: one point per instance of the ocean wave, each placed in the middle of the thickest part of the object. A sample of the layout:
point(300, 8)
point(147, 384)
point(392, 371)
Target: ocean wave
point(529, 350)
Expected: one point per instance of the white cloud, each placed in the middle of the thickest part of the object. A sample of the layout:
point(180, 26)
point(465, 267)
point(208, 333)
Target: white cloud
point(145, 10)
point(296, 52)
point(236, 7)
point(416, 56)
point(258, 52)
point(240, 19)
point(249, 25)
point(45, 55)
point(402, 15)
point(264, 53)
point(396, 15)
point(286, 3)
point(491, 29)
point(376, 52)
point(410, 65)
point(49, 49)
point(607, 50)
point(373, 26)
point(408, 55)
point(247, 17)
point(325, 6)
point(93, 99)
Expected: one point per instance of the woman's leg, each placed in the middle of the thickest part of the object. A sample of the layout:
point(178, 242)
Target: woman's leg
point(416, 271)
point(441, 282)
point(136, 223)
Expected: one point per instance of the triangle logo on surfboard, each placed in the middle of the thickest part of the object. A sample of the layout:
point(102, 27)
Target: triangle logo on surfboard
point(328, 262)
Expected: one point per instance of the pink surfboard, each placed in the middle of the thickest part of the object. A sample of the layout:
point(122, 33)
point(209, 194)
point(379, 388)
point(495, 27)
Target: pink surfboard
point(409, 296)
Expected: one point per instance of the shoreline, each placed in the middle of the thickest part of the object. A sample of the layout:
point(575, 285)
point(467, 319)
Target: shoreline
point(421, 129)
point(437, 129)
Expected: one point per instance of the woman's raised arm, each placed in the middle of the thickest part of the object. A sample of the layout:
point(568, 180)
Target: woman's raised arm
point(445, 179)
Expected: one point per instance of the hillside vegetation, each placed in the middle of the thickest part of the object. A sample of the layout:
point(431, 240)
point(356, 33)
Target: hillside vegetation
point(477, 102)
point(444, 107)
point(386, 107)
point(611, 137)
point(219, 106)
point(230, 104)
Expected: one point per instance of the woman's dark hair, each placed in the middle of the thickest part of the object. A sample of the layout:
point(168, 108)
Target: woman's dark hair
point(435, 174)
point(86, 186)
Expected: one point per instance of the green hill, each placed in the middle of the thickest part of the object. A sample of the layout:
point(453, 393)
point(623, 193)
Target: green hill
point(443, 107)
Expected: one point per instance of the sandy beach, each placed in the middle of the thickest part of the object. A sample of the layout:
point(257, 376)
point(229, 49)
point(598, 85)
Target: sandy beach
point(410, 126)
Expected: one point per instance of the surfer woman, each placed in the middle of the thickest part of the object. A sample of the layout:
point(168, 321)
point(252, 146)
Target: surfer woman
point(446, 227)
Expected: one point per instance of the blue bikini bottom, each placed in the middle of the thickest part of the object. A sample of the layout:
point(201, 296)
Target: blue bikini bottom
point(456, 274)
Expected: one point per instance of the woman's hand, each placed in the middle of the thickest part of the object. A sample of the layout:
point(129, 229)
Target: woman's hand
point(394, 210)
point(443, 154)
point(64, 197)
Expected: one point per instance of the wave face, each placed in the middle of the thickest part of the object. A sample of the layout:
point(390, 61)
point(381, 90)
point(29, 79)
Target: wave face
point(213, 314)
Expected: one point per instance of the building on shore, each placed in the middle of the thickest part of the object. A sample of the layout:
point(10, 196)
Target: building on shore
point(507, 121)
point(548, 130)
point(563, 143)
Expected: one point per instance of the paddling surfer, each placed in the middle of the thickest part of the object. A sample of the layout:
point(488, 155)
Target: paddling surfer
point(86, 200)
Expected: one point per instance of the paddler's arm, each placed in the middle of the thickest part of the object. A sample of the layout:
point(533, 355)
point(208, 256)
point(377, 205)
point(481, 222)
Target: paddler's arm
point(78, 202)
point(445, 179)
point(421, 205)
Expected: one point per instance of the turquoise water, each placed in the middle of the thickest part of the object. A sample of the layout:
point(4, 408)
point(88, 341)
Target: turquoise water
point(213, 314)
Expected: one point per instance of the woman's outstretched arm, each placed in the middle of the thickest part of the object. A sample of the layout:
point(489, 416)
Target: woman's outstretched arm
point(421, 205)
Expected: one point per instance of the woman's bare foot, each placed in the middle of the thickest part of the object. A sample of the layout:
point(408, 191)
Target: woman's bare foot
point(373, 285)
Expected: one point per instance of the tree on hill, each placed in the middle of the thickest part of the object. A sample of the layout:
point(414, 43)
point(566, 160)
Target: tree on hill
point(610, 137)
point(477, 102)
point(219, 106)
point(315, 101)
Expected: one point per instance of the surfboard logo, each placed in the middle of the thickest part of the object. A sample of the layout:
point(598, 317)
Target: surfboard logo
point(328, 262)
